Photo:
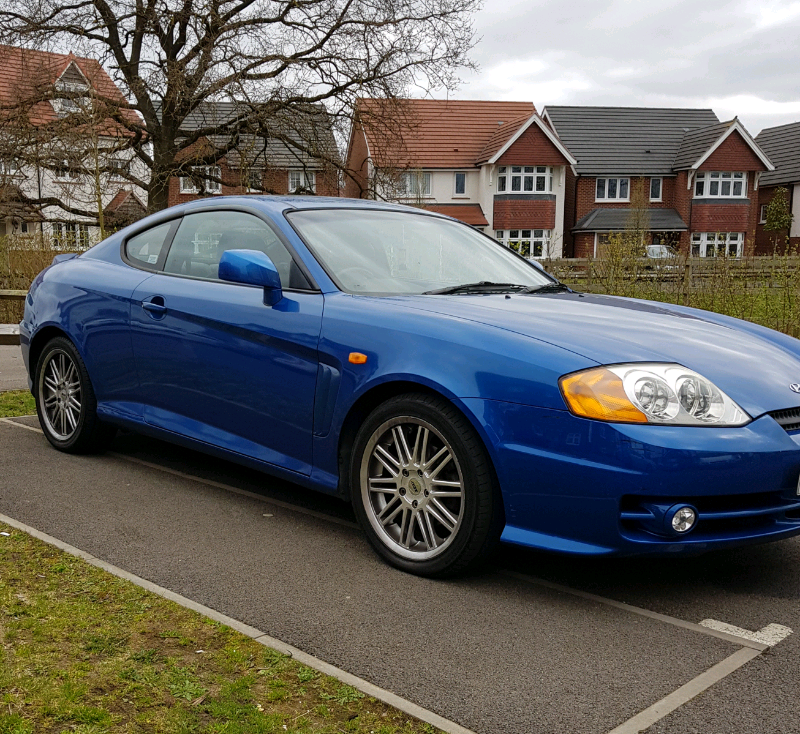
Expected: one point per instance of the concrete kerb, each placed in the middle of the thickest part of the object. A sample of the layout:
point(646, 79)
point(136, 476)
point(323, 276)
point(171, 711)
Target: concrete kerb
point(407, 707)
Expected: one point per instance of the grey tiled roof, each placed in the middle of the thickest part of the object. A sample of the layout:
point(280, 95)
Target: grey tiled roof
point(782, 145)
point(615, 220)
point(609, 140)
point(311, 128)
point(697, 142)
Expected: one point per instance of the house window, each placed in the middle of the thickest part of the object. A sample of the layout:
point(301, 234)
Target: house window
point(460, 183)
point(302, 181)
point(720, 184)
point(525, 179)
point(255, 180)
point(612, 189)
point(655, 189)
point(206, 174)
point(717, 244)
point(65, 172)
point(762, 214)
point(415, 184)
point(527, 242)
point(119, 169)
point(8, 167)
point(70, 235)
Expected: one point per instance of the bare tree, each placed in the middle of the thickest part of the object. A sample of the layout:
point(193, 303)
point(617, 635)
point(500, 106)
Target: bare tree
point(272, 57)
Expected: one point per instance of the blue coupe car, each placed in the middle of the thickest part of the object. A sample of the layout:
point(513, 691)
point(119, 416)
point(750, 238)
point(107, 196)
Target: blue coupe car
point(456, 394)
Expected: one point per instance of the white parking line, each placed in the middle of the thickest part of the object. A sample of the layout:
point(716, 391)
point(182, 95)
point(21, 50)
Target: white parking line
point(770, 635)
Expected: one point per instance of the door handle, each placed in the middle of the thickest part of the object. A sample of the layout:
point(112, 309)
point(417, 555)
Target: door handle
point(155, 306)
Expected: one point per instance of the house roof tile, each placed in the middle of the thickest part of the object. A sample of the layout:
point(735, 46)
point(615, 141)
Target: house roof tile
point(625, 140)
point(438, 133)
point(468, 213)
point(25, 74)
point(615, 220)
point(782, 145)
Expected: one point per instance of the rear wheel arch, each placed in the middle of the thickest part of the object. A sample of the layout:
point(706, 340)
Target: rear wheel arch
point(40, 340)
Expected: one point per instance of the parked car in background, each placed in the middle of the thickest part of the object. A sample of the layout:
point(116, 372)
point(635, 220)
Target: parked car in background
point(454, 393)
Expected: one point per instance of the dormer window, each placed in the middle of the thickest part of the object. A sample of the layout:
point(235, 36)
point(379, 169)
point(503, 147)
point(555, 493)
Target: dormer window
point(73, 85)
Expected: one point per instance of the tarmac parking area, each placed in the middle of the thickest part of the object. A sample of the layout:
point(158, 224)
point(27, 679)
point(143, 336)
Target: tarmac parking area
point(534, 644)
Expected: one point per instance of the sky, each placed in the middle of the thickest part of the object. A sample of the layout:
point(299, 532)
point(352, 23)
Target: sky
point(738, 57)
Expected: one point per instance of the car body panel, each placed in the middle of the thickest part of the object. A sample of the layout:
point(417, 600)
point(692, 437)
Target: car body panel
point(273, 387)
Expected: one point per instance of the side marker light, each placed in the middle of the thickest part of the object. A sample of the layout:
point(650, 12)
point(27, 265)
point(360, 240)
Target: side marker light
point(357, 358)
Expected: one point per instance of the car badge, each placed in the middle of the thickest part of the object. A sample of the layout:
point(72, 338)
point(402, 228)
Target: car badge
point(795, 387)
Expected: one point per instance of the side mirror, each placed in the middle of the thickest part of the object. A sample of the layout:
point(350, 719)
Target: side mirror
point(536, 264)
point(252, 267)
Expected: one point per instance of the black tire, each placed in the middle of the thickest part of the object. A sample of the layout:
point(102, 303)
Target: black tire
point(65, 401)
point(407, 516)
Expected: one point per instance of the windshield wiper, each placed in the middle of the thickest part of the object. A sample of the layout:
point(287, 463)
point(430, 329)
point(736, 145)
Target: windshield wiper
point(549, 288)
point(481, 287)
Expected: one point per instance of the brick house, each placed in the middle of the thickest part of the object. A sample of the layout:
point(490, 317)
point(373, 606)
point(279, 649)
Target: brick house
point(54, 148)
point(493, 165)
point(700, 177)
point(262, 163)
point(782, 145)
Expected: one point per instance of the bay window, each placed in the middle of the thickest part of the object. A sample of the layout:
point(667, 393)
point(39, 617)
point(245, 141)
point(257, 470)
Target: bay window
point(533, 243)
point(717, 244)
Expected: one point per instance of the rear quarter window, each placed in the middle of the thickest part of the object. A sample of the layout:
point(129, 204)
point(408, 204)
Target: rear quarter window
point(144, 249)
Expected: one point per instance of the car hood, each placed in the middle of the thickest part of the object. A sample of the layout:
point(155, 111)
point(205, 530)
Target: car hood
point(753, 365)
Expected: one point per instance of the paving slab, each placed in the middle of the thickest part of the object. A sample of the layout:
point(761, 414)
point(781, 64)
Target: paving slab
point(13, 375)
point(493, 653)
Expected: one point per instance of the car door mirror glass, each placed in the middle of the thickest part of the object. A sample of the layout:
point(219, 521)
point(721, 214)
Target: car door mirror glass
point(251, 267)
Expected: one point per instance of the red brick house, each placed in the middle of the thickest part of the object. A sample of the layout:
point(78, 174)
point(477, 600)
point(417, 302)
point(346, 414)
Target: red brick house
point(261, 163)
point(493, 165)
point(782, 145)
point(700, 177)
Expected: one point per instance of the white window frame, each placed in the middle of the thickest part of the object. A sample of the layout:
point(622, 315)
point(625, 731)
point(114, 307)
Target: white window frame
point(526, 241)
point(456, 192)
point(762, 214)
point(618, 185)
point(706, 181)
point(259, 172)
point(116, 165)
point(525, 180)
point(300, 178)
point(8, 167)
point(415, 184)
point(660, 196)
point(65, 173)
point(700, 242)
point(187, 185)
point(70, 235)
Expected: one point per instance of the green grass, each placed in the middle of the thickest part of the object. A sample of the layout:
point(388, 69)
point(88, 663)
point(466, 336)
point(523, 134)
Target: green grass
point(83, 651)
point(14, 403)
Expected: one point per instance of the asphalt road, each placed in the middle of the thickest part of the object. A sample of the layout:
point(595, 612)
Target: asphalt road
point(495, 652)
point(12, 369)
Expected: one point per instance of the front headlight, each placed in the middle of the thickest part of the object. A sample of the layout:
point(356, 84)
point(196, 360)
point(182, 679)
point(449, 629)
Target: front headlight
point(666, 394)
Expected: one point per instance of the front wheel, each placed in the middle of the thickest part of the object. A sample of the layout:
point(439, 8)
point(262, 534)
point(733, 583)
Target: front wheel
point(423, 488)
point(65, 401)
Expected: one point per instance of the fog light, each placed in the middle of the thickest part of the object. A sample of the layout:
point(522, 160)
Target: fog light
point(683, 519)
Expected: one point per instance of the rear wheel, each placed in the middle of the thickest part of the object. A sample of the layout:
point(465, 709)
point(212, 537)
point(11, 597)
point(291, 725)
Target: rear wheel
point(65, 401)
point(423, 488)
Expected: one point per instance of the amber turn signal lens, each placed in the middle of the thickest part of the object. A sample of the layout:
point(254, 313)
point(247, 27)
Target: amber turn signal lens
point(357, 358)
point(598, 393)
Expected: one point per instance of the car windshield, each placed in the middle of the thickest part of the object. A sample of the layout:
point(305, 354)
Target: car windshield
point(397, 253)
point(660, 251)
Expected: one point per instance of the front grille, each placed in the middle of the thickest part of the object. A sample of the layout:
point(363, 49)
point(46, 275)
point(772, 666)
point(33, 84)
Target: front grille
point(788, 419)
point(718, 516)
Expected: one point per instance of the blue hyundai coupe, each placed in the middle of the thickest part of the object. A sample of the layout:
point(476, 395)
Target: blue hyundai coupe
point(455, 393)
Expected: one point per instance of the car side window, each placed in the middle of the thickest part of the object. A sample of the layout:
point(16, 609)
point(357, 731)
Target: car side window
point(145, 248)
point(202, 238)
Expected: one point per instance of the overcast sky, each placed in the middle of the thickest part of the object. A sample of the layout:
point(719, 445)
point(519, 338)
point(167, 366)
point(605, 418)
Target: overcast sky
point(737, 57)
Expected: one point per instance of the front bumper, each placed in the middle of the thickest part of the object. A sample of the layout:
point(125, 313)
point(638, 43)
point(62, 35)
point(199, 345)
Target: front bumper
point(580, 486)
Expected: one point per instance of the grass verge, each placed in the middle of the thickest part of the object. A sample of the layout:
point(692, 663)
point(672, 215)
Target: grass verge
point(85, 652)
point(14, 403)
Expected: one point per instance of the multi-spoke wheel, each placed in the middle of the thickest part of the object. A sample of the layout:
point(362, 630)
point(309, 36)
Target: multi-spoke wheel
point(423, 487)
point(65, 400)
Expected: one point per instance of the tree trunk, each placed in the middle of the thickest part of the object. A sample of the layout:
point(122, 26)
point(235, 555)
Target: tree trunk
point(158, 192)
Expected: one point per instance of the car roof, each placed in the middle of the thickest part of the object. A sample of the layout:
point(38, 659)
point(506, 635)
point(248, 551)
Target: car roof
point(288, 203)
